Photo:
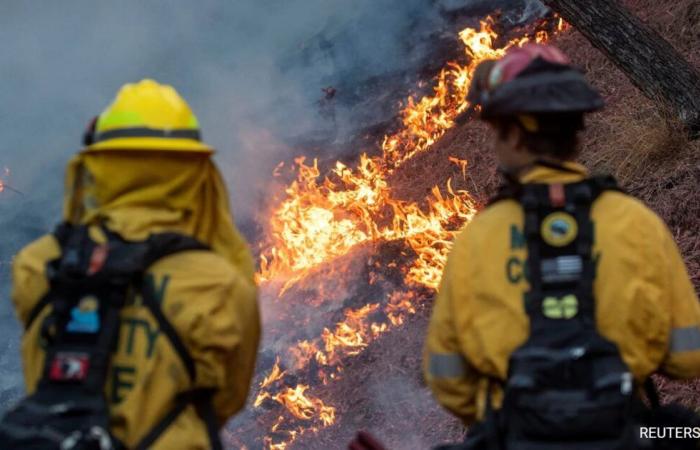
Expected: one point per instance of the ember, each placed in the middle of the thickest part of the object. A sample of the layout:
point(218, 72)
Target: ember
point(3, 182)
point(5, 174)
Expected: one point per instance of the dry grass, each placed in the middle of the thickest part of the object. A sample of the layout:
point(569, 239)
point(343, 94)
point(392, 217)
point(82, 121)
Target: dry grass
point(634, 138)
point(637, 139)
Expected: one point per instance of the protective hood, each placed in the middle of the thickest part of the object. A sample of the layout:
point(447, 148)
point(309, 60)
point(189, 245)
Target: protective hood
point(136, 193)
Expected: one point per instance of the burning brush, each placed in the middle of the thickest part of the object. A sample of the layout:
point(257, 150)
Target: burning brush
point(325, 219)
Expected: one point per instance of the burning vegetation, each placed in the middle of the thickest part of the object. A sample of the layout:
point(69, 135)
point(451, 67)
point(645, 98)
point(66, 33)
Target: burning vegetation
point(323, 219)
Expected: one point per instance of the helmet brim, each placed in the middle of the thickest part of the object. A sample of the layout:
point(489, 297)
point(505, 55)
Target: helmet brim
point(151, 143)
point(563, 92)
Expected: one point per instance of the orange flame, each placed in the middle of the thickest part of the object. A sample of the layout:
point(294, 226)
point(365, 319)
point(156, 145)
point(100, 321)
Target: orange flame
point(274, 375)
point(323, 218)
point(462, 163)
point(303, 407)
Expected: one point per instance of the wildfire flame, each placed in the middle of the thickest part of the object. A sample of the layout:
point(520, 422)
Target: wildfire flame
point(322, 218)
point(462, 163)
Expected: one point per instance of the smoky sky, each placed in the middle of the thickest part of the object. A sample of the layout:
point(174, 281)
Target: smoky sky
point(252, 70)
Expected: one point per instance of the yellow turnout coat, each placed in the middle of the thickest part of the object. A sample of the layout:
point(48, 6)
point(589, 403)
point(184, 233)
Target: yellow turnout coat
point(207, 295)
point(645, 303)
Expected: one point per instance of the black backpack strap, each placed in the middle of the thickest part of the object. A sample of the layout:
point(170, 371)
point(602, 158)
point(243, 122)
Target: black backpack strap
point(205, 410)
point(36, 310)
point(159, 246)
point(531, 200)
point(584, 195)
point(167, 328)
point(124, 264)
point(491, 418)
point(62, 234)
point(602, 183)
point(165, 423)
point(202, 401)
point(652, 394)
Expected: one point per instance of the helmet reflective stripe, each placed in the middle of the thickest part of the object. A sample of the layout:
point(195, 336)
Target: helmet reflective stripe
point(147, 115)
point(147, 132)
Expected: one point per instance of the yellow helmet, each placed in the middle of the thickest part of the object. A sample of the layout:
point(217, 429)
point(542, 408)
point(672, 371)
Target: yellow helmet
point(146, 115)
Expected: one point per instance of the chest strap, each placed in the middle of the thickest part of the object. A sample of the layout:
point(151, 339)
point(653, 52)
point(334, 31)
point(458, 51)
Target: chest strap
point(561, 266)
point(123, 263)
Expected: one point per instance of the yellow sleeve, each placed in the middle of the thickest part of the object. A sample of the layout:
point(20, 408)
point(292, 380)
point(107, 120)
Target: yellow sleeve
point(224, 344)
point(449, 375)
point(683, 357)
point(29, 283)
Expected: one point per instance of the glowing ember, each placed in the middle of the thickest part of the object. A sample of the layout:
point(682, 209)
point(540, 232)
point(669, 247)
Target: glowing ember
point(322, 218)
point(5, 175)
point(274, 375)
point(462, 163)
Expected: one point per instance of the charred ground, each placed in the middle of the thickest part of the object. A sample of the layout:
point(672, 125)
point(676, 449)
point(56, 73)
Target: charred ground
point(634, 138)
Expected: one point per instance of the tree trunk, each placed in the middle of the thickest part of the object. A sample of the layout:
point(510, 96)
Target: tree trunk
point(650, 62)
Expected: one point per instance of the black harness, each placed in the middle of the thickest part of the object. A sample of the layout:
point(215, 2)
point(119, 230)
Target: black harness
point(567, 385)
point(89, 284)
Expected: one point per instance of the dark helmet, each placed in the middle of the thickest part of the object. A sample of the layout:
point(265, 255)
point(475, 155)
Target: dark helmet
point(531, 80)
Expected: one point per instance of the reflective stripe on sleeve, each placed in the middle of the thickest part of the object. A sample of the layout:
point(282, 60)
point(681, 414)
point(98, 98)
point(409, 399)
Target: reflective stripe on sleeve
point(685, 339)
point(447, 365)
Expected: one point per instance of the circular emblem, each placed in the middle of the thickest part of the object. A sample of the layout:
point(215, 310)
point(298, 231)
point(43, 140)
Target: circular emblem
point(559, 229)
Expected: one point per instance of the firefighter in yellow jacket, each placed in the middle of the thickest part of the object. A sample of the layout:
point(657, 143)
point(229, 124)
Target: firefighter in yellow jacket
point(144, 170)
point(644, 303)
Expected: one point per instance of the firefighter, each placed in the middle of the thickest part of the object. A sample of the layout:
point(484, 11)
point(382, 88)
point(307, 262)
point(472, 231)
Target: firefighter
point(564, 295)
point(145, 172)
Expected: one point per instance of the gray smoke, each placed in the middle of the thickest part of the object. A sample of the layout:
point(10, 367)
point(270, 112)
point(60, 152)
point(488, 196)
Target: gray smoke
point(252, 70)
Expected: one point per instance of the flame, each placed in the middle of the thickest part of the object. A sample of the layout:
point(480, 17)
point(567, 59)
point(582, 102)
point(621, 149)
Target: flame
point(303, 407)
point(5, 174)
point(462, 163)
point(322, 218)
point(275, 374)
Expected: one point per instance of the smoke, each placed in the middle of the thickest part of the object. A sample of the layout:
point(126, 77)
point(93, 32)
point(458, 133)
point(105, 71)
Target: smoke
point(252, 70)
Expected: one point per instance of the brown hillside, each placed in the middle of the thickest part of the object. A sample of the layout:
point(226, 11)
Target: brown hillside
point(634, 138)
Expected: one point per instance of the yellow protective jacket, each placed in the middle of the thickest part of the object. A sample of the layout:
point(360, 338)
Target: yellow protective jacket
point(645, 302)
point(209, 297)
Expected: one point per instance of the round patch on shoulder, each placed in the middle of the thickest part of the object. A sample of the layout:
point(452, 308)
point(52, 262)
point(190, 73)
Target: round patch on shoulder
point(559, 229)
